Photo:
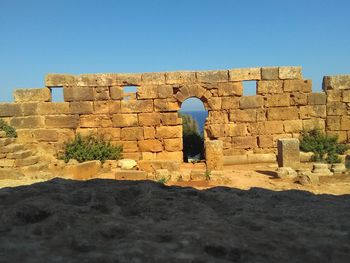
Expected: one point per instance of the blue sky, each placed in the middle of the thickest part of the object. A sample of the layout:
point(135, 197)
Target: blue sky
point(76, 36)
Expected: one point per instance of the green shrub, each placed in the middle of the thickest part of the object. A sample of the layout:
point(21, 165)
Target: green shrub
point(325, 148)
point(91, 148)
point(10, 131)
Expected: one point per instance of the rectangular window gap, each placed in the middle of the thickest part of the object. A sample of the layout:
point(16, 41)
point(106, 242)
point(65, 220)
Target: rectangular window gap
point(57, 94)
point(129, 92)
point(249, 88)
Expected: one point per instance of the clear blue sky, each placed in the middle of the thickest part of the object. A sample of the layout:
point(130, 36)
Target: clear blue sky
point(76, 36)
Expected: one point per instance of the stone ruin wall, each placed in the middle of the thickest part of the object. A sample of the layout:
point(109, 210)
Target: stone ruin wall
point(146, 123)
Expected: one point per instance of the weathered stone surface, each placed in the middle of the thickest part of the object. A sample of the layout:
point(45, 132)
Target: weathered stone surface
point(170, 118)
point(31, 160)
point(10, 110)
point(298, 99)
point(52, 108)
point(176, 156)
point(27, 122)
point(83, 171)
point(269, 73)
point(101, 93)
point(214, 155)
point(293, 126)
point(173, 145)
point(116, 92)
point(218, 117)
point(149, 132)
point(261, 158)
point(286, 173)
point(165, 132)
point(321, 169)
point(212, 76)
point(267, 127)
point(318, 111)
point(288, 153)
point(78, 93)
point(282, 113)
point(147, 92)
point(277, 100)
point(81, 107)
point(235, 159)
point(59, 80)
point(314, 124)
point(298, 86)
point(127, 164)
point(238, 129)
point(180, 77)
point(62, 121)
point(230, 89)
point(101, 107)
point(333, 123)
point(306, 178)
point(166, 105)
point(130, 175)
point(306, 156)
point(149, 119)
point(251, 102)
point(132, 133)
point(95, 121)
point(135, 106)
point(150, 146)
point(125, 120)
point(153, 78)
point(248, 142)
point(269, 87)
point(338, 168)
point(265, 141)
point(247, 115)
point(336, 108)
point(30, 95)
point(345, 123)
point(229, 103)
point(110, 134)
point(9, 174)
point(46, 135)
point(164, 91)
point(127, 79)
point(338, 82)
point(19, 154)
point(317, 98)
point(151, 166)
point(214, 103)
point(245, 74)
point(290, 73)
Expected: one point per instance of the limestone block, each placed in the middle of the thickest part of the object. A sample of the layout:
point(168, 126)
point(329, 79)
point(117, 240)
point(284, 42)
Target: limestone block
point(46, 135)
point(29, 108)
point(247, 115)
point(265, 141)
point(83, 171)
point(306, 178)
point(282, 113)
point(29, 122)
point(235, 159)
point(290, 73)
point(149, 119)
point(150, 146)
point(277, 100)
point(261, 158)
point(336, 108)
point(180, 77)
point(345, 95)
point(293, 126)
point(101, 93)
point(78, 93)
point(216, 130)
point(131, 133)
point(53, 108)
point(109, 134)
point(94, 80)
point(125, 120)
point(314, 123)
point(286, 173)
point(132, 155)
point(247, 142)
point(251, 102)
point(31, 160)
point(173, 145)
point(317, 98)
point(345, 123)
point(30, 95)
point(166, 105)
point(164, 91)
point(288, 153)
point(166, 132)
point(214, 155)
point(229, 103)
point(212, 76)
point(170, 118)
point(147, 156)
point(217, 117)
point(338, 168)
point(153, 78)
point(134, 106)
point(25, 136)
point(128, 79)
point(333, 123)
point(59, 80)
point(267, 127)
point(115, 106)
point(298, 86)
point(116, 92)
point(62, 121)
point(133, 175)
point(321, 169)
point(298, 99)
point(214, 103)
point(147, 92)
point(175, 156)
point(240, 74)
point(149, 132)
point(230, 88)
point(82, 107)
point(269, 73)
point(306, 156)
point(318, 111)
point(269, 87)
point(334, 95)
point(338, 82)
point(86, 131)
point(10, 110)
point(128, 146)
point(95, 121)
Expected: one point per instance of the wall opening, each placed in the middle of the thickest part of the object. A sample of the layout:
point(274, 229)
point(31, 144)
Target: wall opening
point(57, 94)
point(193, 116)
point(129, 92)
point(249, 88)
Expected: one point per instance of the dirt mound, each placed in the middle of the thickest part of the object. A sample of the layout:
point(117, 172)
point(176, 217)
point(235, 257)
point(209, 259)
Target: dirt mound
point(123, 221)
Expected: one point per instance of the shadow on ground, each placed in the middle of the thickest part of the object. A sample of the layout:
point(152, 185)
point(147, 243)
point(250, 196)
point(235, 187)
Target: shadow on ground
point(127, 221)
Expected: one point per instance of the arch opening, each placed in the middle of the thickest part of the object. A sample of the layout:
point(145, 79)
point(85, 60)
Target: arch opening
point(193, 114)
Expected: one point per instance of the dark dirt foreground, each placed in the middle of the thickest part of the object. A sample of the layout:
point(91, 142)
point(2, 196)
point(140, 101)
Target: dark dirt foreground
point(123, 221)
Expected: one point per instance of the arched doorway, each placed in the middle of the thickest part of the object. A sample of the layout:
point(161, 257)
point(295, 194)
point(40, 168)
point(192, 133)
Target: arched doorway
point(193, 116)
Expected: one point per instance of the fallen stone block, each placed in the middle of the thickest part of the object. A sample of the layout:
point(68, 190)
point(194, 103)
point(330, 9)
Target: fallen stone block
point(151, 166)
point(130, 175)
point(288, 153)
point(306, 177)
point(286, 173)
point(82, 171)
point(321, 169)
point(214, 154)
point(338, 168)
point(127, 164)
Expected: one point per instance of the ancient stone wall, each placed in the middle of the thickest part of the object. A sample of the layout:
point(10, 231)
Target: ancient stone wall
point(146, 123)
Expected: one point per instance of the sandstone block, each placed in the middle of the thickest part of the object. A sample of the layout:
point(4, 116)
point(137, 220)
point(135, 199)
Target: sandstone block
point(269, 87)
point(293, 126)
point(218, 117)
point(115, 106)
point(290, 73)
point(298, 99)
point(269, 73)
point(128, 147)
point(116, 92)
point(151, 166)
point(149, 132)
point(132, 133)
point(26, 161)
point(267, 127)
point(342, 135)
point(134, 106)
point(282, 113)
point(261, 158)
point(248, 142)
point(265, 141)
point(230, 88)
point(286, 173)
point(82, 107)
point(229, 103)
point(153, 78)
point(125, 120)
point(166, 105)
point(335, 95)
point(5, 141)
point(29, 108)
point(150, 146)
point(345, 96)
point(100, 79)
point(345, 123)
point(180, 77)
point(170, 118)
point(27, 122)
point(288, 153)
point(277, 100)
point(214, 155)
point(9, 174)
point(214, 103)
point(147, 156)
point(59, 80)
point(314, 123)
point(239, 129)
point(235, 159)
point(336, 108)
point(318, 111)
point(95, 121)
point(53, 108)
point(216, 130)
point(164, 91)
point(19, 154)
point(251, 102)
point(212, 76)
point(173, 145)
point(130, 175)
point(10, 110)
point(5, 163)
point(333, 123)
point(46, 135)
point(298, 86)
point(338, 82)
point(30, 95)
point(245, 74)
point(110, 134)
point(149, 119)
point(62, 121)
point(247, 115)
point(147, 92)
point(101, 93)
point(166, 132)
point(128, 79)
point(83, 171)
point(175, 156)
point(132, 155)
point(317, 98)
point(78, 94)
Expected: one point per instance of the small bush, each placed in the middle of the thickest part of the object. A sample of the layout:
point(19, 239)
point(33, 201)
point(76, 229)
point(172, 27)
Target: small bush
point(10, 131)
point(325, 148)
point(91, 148)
